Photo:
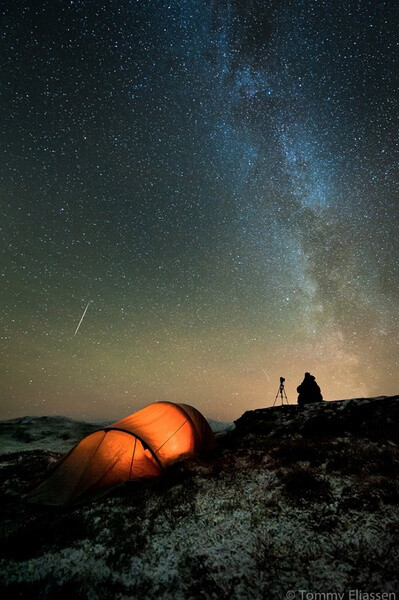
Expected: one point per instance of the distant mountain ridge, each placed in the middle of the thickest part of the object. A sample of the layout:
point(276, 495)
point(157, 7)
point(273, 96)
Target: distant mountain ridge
point(57, 433)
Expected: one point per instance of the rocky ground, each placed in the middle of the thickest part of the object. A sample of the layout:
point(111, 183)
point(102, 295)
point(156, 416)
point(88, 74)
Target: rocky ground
point(292, 500)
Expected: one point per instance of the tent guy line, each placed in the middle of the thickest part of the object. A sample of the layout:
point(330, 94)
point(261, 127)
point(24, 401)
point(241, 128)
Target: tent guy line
point(141, 445)
point(81, 319)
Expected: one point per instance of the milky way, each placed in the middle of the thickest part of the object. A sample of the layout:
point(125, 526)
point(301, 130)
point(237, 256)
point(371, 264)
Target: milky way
point(218, 179)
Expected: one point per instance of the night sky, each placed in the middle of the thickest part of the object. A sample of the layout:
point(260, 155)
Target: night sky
point(217, 180)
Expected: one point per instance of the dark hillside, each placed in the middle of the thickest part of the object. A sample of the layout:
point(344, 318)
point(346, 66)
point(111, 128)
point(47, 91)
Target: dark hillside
point(293, 499)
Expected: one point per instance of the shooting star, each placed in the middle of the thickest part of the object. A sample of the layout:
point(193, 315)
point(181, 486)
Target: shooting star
point(266, 374)
point(82, 317)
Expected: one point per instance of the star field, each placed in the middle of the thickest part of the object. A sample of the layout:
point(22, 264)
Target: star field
point(218, 179)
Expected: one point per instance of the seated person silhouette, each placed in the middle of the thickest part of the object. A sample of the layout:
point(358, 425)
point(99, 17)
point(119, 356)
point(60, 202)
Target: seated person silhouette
point(308, 390)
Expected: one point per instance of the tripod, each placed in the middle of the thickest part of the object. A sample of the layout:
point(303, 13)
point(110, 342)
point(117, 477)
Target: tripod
point(282, 393)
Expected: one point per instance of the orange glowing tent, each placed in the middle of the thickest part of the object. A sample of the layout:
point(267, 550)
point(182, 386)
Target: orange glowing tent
point(140, 445)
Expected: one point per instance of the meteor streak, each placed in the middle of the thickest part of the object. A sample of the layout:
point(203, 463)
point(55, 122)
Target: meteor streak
point(266, 374)
point(82, 317)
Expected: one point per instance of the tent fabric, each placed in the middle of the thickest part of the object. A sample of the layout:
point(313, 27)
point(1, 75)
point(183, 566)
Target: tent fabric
point(140, 445)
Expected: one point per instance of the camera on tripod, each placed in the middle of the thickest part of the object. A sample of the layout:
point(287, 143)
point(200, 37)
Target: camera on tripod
point(281, 392)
